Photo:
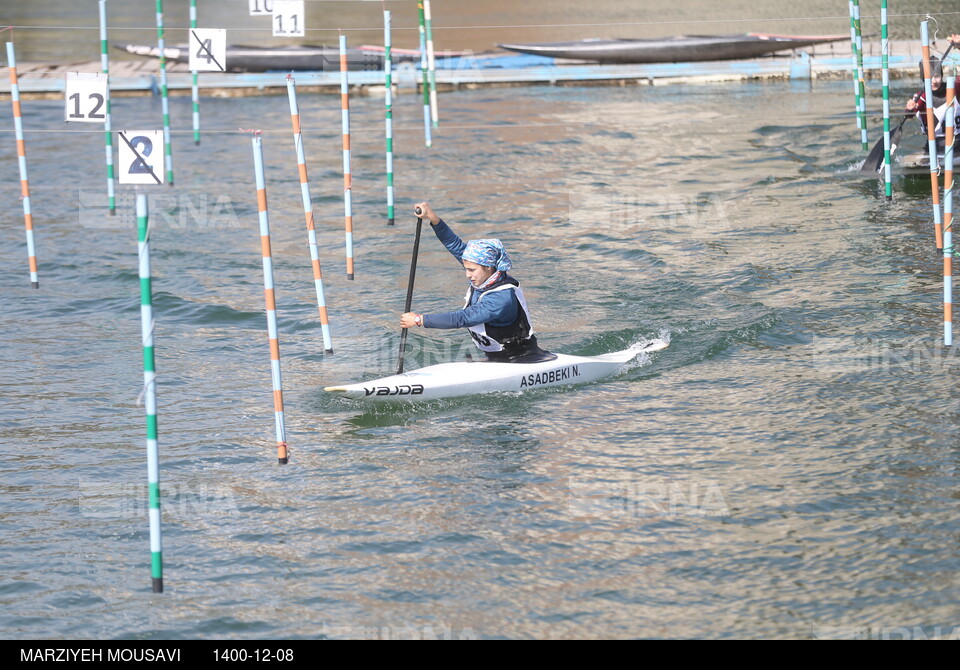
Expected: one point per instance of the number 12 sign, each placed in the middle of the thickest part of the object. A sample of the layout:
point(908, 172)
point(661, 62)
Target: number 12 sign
point(86, 97)
point(288, 18)
point(140, 156)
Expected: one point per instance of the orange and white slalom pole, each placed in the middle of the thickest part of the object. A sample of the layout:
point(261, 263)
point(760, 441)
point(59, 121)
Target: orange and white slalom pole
point(347, 179)
point(948, 216)
point(308, 212)
point(931, 134)
point(282, 452)
point(22, 160)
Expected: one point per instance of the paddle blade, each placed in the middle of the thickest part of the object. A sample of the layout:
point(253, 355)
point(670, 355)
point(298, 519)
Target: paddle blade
point(874, 163)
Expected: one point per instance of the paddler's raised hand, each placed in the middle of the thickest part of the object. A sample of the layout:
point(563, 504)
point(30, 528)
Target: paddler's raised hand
point(954, 39)
point(426, 212)
point(409, 320)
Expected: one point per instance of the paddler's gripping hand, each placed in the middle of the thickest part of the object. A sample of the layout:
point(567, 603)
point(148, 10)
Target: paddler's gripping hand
point(409, 320)
point(426, 212)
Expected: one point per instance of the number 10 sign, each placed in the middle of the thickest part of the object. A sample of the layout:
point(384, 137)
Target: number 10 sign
point(86, 97)
point(140, 156)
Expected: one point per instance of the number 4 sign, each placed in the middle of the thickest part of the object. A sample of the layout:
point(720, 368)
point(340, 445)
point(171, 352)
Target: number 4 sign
point(141, 156)
point(86, 96)
point(288, 18)
point(208, 50)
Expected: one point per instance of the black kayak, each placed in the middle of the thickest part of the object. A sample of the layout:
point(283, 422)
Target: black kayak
point(302, 58)
point(685, 48)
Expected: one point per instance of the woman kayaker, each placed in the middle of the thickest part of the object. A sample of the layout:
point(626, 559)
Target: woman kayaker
point(495, 311)
point(918, 103)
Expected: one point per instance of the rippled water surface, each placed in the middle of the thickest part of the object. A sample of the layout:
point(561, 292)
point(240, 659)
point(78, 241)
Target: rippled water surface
point(786, 468)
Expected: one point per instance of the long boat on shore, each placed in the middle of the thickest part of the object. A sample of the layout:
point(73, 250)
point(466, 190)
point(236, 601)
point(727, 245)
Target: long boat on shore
point(682, 49)
point(300, 58)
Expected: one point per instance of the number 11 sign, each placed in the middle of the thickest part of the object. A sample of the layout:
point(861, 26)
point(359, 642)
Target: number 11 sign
point(288, 18)
point(86, 97)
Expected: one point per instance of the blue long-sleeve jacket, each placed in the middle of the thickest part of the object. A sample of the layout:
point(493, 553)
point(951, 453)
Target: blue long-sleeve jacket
point(498, 309)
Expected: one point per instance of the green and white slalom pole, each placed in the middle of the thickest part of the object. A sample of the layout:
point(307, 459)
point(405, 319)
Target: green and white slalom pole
point(431, 65)
point(862, 90)
point(427, 134)
point(388, 82)
point(150, 394)
point(195, 86)
point(856, 44)
point(105, 66)
point(885, 66)
point(853, 51)
point(164, 95)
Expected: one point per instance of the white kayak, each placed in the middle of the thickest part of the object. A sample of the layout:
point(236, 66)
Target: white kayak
point(449, 380)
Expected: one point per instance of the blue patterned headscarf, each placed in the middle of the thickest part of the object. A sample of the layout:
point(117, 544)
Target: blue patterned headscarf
point(487, 252)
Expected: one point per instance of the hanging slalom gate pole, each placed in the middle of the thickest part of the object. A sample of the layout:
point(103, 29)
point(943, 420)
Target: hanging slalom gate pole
point(272, 333)
point(948, 214)
point(164, 96)
point(427, 133)
point(931, 132)
point(431, 65)
point(885, 66)
point(195, 86)
point(150, 394)
point(388, 77)
point(105, 66)
point(861, 86)
point(347, 179)
point(856, 75)
point(308, 213)
point(22, 162)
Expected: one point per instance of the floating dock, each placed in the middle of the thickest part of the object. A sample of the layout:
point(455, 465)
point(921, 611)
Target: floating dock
point(141, 77)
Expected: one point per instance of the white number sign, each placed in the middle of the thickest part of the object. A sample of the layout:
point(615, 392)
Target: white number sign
point(86, 97)
point(140, 156)
point(208, 50)
point(288, 18)
point(260, 7)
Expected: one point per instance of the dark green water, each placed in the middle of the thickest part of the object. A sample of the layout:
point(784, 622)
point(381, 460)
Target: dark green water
point(787, 468)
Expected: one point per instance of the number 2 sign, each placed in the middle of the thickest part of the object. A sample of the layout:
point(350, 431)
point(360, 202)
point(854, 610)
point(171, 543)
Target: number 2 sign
point(288, 18)
point(140, 156)
point(86, 97)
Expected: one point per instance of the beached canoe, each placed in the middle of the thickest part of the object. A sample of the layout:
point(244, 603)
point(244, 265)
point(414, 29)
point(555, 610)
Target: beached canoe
point(303, 58)
point(686, 48)
point(450, 380)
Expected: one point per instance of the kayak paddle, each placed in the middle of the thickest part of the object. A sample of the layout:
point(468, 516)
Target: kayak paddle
point(413, 275)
